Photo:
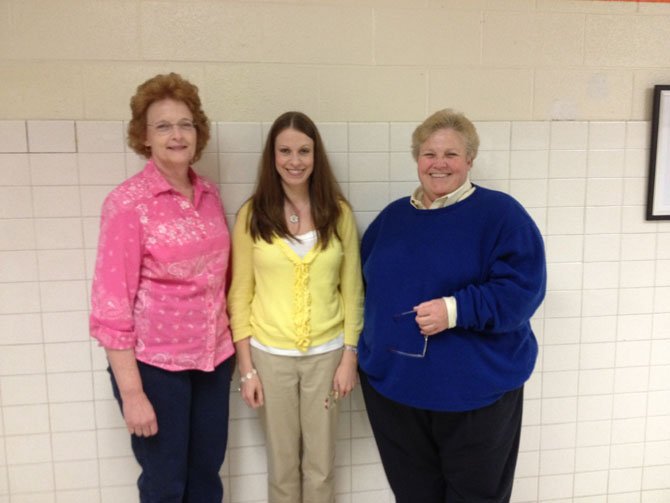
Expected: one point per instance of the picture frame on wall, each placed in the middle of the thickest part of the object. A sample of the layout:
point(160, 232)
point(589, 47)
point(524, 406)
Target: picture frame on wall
point(658, 187)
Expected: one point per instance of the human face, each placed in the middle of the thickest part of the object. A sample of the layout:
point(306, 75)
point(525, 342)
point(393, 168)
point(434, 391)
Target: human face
point(442, 164)
point(294, 158)
point(173, 149)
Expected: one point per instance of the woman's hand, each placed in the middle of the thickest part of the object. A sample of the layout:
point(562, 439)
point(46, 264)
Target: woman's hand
point(344, 379)
point(431, 316)
point(139, 415)
point(251, 387)
point(252, 391)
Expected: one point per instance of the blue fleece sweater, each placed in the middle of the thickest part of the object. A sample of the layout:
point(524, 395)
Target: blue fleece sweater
point(485, 251)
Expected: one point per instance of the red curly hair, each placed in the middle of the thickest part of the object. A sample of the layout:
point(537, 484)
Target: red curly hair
point(171, 86)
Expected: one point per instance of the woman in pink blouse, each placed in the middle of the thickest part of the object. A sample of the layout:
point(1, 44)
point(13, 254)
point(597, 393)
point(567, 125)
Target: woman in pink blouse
point(158, 299)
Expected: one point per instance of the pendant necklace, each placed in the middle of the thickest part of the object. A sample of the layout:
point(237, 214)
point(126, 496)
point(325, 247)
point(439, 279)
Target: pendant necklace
point(293, 217)
point(294, 214)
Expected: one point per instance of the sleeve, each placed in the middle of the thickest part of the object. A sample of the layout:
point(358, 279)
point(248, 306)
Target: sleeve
point(351, 282)
point(243, 284)
point(116, 277)
point(452, 311)
point(514, 287)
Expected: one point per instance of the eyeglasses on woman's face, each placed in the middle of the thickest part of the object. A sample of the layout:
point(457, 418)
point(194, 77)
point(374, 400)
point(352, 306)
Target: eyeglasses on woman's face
point(165, 127)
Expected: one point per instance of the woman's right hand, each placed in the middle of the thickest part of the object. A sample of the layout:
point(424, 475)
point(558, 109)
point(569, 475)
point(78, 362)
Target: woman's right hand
point(252, 391)
point(138, 412)
point(251, 387)
point(139, 415)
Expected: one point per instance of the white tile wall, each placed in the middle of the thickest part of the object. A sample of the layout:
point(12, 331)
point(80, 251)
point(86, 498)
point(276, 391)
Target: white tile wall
point(14, 137)
point(597, 414)
point(51, 136)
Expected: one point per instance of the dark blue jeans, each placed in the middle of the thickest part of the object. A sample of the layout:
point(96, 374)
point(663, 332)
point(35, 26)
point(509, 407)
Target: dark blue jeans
point(181, 463)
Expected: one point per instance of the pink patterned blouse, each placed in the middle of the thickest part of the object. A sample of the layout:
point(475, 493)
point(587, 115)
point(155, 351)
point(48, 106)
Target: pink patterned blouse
point(160, 275)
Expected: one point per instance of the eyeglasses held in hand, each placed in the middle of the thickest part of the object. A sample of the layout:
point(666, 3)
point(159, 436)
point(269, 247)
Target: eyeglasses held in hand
point(422, 354)
point(165, 127)
point(400, 316)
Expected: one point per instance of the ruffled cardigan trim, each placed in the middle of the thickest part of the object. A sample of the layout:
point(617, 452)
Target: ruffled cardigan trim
point(302, 297)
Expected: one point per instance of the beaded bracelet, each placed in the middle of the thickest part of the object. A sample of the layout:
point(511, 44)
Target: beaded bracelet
point(349, 347)
point(249, 375)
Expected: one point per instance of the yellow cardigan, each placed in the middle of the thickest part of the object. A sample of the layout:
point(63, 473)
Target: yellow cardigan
point(287, 302)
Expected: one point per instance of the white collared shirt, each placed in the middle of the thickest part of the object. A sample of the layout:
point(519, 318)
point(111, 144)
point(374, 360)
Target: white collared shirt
point(459, 194)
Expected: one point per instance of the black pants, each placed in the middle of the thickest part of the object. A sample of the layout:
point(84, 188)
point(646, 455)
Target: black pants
point(447, 457)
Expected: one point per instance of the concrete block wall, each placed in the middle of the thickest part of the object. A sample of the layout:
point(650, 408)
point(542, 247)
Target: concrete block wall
point(338, 60)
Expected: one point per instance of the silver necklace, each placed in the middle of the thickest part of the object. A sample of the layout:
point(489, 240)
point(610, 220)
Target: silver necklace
point(293, 216)
point(294, 213)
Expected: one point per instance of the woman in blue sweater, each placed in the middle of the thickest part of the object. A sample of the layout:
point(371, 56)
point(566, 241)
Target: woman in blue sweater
point(453, 275)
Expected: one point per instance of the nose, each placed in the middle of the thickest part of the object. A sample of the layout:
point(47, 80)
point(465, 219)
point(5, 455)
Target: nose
point(176, 131)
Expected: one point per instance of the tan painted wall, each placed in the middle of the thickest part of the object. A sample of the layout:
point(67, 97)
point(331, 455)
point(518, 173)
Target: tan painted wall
point(354, 60)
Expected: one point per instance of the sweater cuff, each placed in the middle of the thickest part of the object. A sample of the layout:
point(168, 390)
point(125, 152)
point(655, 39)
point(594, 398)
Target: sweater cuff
point(451, 310)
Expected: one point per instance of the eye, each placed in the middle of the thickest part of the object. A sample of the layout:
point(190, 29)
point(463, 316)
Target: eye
point(163, 127)
point(186, 126)
point(305, 151)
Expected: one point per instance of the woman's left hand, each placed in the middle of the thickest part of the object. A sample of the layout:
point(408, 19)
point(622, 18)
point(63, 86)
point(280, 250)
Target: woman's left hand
point(345, 374)
point(432, 317)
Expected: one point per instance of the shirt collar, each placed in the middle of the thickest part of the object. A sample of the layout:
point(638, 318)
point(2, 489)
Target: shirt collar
point(158, 184)
point(448, 199)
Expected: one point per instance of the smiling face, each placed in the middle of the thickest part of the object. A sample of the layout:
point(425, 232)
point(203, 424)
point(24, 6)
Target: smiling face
point(442, 164)
point(171, 149)
point(294, 157)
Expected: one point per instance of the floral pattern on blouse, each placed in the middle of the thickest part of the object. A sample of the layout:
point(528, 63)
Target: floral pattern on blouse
point(160, 275)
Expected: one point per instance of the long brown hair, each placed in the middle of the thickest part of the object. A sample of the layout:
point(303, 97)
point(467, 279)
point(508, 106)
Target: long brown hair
point(266, 219)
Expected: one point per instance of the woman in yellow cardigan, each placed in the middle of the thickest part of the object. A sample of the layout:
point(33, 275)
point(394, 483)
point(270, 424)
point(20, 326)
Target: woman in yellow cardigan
point(296, 308)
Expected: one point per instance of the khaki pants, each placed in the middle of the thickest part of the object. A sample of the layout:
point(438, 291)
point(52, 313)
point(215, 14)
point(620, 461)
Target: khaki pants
point(300, 432)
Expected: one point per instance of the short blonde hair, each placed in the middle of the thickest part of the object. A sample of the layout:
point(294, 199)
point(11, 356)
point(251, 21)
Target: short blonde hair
point(447, 119)
point(171, 86)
